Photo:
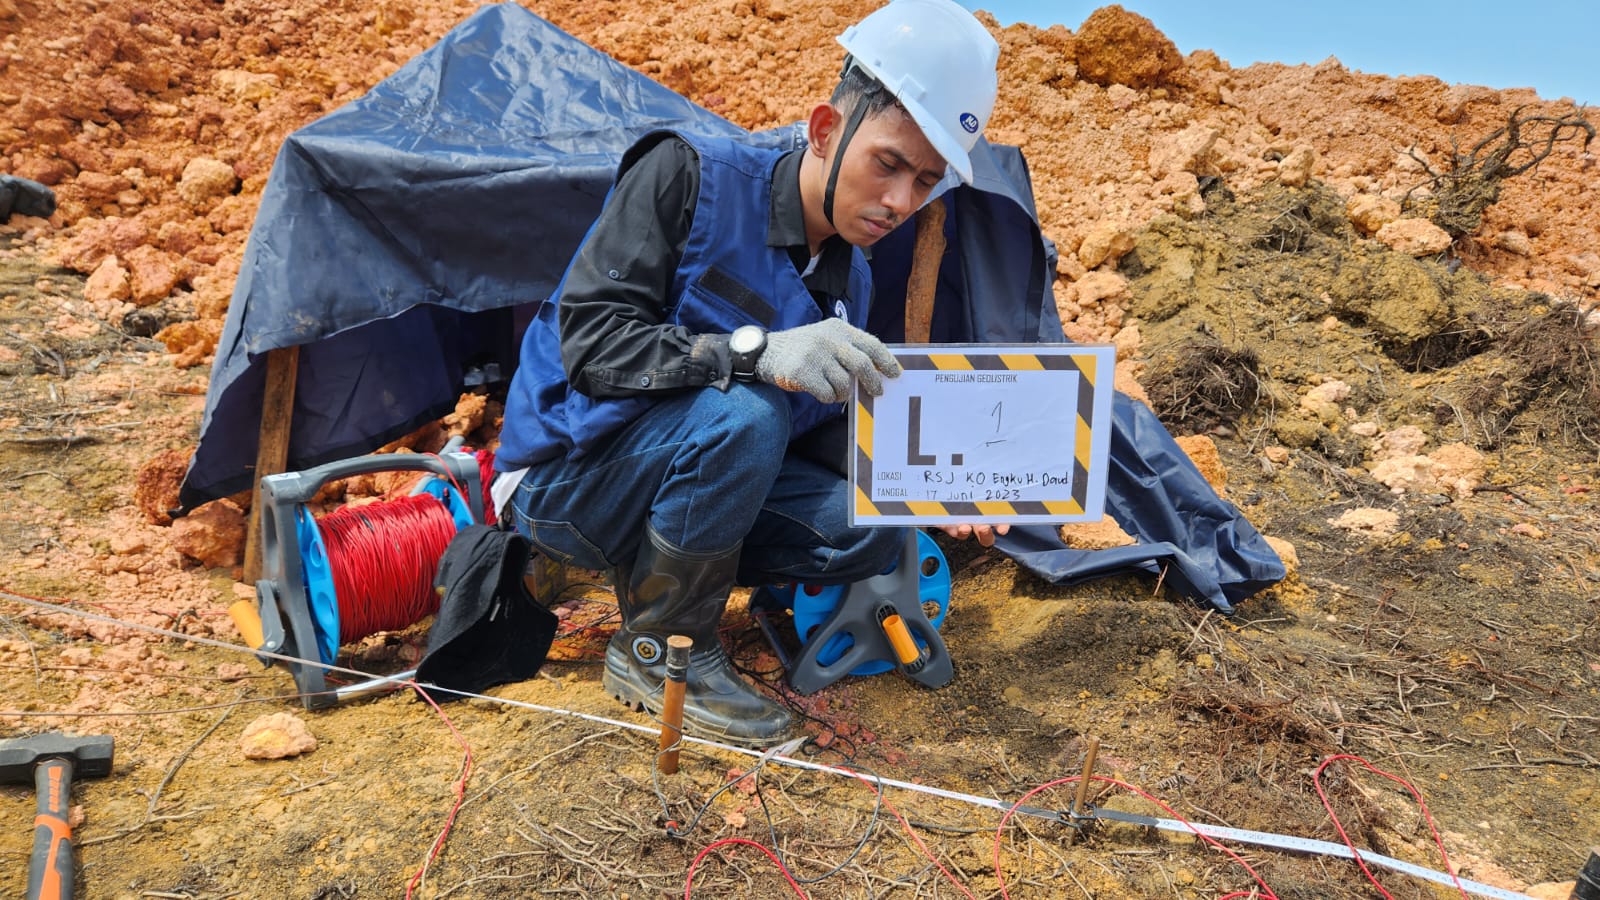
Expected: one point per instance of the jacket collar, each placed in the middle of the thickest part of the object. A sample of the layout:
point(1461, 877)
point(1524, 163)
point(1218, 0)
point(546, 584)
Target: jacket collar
point(786, 229)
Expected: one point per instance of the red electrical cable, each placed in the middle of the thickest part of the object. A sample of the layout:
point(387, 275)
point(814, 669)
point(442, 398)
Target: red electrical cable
point(796, 885)
point(1266, 892)
point(383, 557)
point(689, 881)
point(876, 789)
point(460, 791)
point(485, 479)
point(1316, 779)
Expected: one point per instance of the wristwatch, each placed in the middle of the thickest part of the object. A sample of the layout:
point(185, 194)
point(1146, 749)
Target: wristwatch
point(745, 346)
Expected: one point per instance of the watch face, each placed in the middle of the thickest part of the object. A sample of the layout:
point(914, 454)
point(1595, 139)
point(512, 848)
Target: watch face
point(746, 339)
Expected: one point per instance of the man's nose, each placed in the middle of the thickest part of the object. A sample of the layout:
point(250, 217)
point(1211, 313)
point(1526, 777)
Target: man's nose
point(898, 197)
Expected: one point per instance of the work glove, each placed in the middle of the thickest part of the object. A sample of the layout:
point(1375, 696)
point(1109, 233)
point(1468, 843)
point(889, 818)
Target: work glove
point(821, 359)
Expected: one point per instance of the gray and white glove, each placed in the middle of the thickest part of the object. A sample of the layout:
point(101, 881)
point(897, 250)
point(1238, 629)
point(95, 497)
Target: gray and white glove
point(821, 359)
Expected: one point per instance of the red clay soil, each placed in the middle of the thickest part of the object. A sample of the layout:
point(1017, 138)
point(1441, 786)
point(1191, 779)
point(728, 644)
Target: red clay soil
point(126, 108)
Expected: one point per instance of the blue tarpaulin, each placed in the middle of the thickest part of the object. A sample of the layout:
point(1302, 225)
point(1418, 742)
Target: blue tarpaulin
point(402, 238)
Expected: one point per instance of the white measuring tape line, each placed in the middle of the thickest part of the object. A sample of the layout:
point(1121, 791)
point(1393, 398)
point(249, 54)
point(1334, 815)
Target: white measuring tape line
point(780, 756)
point(1305, 845)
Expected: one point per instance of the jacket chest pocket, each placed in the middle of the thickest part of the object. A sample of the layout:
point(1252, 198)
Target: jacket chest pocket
point(717, 301)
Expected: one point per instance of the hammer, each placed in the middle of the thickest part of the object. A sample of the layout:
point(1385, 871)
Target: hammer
point(51, 760)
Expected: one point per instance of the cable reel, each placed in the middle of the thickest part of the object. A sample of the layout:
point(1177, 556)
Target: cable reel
point(873, 626)
point(298, 597)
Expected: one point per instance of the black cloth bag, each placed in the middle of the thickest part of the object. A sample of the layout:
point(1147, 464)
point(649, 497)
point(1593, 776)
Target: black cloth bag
point(489, 629)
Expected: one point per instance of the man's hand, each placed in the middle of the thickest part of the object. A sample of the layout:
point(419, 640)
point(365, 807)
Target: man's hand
point(984, 533)
point(820, 359)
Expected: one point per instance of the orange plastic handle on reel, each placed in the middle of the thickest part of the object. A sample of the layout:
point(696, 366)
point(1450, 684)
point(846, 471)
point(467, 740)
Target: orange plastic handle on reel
point(247, 618)
point(905, 648)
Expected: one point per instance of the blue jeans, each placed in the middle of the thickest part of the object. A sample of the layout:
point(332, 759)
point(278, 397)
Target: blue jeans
point(707, 469)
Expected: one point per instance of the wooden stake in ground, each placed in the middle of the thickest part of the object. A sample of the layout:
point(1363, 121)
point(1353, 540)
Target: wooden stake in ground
point(277, 412)
point(926, 256)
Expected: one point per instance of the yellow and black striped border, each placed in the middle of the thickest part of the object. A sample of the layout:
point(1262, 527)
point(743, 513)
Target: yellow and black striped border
point(1085, 364)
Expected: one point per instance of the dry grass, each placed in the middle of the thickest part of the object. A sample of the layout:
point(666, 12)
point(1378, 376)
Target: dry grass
point(1209, 385)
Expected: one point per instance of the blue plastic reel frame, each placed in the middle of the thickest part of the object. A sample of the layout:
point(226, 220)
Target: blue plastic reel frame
point(813, 609)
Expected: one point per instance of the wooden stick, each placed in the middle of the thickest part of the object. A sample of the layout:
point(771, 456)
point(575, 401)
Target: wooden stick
point(277, 412)
point(926, 256)
point(678, 647)
point(1090, 750)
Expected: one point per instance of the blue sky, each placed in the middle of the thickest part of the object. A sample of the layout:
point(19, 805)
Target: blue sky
point(1552, 46)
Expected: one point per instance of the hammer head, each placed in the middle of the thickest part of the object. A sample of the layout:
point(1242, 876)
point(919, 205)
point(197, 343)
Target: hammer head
point(90, 756)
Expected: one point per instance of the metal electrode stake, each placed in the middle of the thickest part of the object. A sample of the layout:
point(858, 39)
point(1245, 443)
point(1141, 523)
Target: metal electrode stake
point(672, 701)
point(1091, 748)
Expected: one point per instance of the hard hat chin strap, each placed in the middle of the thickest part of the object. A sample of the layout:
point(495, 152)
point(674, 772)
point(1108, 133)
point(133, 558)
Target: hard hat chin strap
point(849, 131)
point(850, 126)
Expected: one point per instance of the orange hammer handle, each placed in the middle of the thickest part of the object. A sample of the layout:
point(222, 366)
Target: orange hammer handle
point(50, 873)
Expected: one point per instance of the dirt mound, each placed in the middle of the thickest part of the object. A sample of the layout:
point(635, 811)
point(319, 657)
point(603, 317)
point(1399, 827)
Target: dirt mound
point(1275, 299)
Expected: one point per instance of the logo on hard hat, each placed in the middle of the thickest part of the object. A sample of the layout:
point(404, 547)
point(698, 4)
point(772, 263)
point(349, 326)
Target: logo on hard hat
point(969, 122)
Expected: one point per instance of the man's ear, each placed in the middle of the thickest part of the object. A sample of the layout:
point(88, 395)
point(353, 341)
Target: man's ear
point(822, 127)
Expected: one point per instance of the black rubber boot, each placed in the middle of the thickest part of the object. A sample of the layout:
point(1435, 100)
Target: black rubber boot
point(671, 591)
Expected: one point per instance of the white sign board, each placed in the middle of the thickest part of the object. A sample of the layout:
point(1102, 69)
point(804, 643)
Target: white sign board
point(983, 433)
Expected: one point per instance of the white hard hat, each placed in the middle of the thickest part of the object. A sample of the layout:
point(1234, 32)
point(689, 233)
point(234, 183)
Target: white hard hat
point(939, 62)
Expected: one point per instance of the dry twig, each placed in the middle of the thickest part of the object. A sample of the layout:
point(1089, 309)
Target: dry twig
point(1471, 184)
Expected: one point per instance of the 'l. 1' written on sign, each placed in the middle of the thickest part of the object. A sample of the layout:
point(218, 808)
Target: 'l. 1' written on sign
point(985, 433)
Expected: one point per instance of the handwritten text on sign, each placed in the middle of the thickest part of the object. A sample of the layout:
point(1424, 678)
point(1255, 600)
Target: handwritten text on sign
point(985, 434)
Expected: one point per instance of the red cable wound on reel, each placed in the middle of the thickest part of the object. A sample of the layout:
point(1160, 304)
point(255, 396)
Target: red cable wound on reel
point(485, 479)
point(383, 558)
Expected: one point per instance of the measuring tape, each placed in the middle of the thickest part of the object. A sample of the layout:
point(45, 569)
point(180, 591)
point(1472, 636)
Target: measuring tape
point(1281, 842)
